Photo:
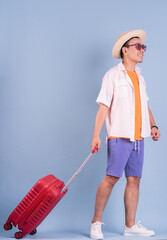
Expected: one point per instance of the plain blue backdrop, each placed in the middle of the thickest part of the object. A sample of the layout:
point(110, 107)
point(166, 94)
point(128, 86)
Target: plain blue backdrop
point(53, 55)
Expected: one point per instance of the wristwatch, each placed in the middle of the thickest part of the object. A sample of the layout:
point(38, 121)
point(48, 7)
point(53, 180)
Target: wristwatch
point(154, 127)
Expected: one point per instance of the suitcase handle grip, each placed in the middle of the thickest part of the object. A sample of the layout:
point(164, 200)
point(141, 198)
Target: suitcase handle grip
point(78, 171)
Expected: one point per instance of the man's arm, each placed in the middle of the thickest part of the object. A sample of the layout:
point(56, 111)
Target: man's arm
point(154, 131)
point(100, 118)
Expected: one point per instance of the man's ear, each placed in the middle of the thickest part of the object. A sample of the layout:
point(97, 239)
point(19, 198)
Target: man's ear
point(124, 50)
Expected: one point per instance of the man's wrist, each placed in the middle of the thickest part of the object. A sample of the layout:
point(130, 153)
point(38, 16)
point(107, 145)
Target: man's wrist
point(96, 136)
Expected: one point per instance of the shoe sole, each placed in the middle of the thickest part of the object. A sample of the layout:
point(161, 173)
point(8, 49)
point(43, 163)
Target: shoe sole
point(137, 234)
point(93, 237)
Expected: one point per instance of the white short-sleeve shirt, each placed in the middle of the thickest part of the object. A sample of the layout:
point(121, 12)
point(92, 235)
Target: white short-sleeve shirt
point(117, 93)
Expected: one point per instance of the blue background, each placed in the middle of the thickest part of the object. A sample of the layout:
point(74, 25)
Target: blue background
point(53, 55)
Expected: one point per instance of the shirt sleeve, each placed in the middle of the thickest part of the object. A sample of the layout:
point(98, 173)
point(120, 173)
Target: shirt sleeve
point(106, 92)
point(147, 98)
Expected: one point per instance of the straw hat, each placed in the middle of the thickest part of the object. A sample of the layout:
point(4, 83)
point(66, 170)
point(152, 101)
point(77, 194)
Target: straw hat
point(123, 38)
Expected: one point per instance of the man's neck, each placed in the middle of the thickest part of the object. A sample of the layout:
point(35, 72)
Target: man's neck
point(129, 66)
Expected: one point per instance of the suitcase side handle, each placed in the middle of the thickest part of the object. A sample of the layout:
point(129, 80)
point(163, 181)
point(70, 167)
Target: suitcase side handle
point(78, 171)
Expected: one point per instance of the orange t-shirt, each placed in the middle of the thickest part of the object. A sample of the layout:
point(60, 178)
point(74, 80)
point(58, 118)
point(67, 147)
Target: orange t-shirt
point(138, 117)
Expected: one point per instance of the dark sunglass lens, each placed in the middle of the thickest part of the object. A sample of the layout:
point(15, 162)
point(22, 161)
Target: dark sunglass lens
point(138, 46)
point(144, 47)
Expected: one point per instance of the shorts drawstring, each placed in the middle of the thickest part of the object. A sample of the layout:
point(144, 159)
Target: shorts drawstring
point(137, 146)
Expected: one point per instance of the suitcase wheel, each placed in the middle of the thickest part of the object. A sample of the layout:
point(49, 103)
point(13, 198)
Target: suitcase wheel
point(33, 232)
point(18, 235)
point(7, 226)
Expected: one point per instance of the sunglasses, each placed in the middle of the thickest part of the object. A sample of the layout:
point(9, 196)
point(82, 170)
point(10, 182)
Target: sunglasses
point(138, 46)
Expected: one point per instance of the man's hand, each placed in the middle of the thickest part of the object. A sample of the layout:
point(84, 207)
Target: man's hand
point(155, 134)
point(100, 118)
point(96, 143)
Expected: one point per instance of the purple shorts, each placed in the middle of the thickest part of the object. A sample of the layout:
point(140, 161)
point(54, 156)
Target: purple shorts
point(125, 155)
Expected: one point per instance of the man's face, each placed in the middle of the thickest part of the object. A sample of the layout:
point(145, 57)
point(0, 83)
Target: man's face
point(132, 53)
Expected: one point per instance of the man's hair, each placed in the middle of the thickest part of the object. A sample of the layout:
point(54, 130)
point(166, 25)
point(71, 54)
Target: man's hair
point(121, 53)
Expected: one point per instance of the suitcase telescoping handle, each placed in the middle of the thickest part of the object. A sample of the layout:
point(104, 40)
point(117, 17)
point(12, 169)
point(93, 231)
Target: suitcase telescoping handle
point(78, 171)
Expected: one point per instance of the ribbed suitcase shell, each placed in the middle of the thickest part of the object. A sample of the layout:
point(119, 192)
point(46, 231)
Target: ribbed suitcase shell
point(36, 205)
point(39, 202)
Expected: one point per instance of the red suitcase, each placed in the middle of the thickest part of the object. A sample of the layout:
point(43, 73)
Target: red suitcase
point(38, 203)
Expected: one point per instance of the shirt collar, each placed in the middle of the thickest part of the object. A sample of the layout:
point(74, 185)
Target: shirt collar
point(122, 68)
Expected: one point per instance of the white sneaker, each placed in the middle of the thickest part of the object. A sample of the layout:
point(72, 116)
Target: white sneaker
point(95, 230)
point(138, 230)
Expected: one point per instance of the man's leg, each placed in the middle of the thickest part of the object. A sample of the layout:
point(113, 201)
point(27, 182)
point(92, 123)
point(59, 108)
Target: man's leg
point(102, 196)
point(131, 200)
point(116, 161)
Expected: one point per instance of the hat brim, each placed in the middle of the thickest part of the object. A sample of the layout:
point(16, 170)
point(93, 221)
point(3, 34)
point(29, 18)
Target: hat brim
point(118, 45)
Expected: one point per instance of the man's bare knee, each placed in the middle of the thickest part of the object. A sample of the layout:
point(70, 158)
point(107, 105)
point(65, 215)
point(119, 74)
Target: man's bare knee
point(111, 180)
point(133, 180)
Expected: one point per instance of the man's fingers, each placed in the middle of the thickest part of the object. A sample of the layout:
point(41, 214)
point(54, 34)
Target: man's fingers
point(95, 147)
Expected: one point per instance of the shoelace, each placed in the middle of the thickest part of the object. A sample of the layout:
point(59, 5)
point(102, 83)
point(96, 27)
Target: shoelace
point(139, 225)
point(97, 224)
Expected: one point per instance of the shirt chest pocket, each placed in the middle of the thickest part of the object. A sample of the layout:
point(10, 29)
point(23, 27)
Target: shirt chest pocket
point(124, 90)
